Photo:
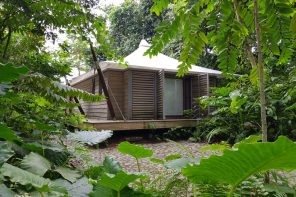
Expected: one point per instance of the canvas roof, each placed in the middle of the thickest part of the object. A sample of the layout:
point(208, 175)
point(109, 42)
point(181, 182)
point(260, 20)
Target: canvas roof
point(138, 60)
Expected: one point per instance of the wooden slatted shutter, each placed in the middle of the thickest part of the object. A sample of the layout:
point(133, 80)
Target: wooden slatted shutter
point(144, 95)
point(160, 94)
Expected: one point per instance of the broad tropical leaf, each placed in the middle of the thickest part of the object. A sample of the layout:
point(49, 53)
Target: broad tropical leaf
point(111, 166)
point(117, 182)
point(23, 177)
point(5, 191)
point(67, 173)
point(234, 166)
point(7, 134)
point(136, 151)
point(100, 190)
point(172, 157)
point(91, 137)
point(9, 72)
point(35, 163)
point(81, 188)
point(215, 147)
point(5, 152)
point(249, 140)
point(180, 163)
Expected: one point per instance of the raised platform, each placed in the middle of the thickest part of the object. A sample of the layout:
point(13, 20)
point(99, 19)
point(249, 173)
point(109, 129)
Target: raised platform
point(118, 125)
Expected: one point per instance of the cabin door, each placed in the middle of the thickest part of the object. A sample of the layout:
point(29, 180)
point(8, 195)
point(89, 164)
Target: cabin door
point(173, 97)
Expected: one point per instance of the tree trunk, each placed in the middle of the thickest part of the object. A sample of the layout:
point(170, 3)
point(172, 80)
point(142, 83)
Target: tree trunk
point(261, 74)
point(7, 42)
point(102, 82)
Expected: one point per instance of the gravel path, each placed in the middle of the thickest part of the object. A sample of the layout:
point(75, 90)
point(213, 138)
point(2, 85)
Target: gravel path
point(161, 150)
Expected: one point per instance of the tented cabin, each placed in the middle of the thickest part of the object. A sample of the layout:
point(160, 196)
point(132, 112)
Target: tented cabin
point(147, 90)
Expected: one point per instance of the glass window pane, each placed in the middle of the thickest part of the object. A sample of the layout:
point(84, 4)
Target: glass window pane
point(173, 96)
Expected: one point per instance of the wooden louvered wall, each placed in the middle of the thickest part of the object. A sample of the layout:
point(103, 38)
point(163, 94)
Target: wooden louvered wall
point(200, 87)
point(97, 110)
point(160, 95)
point(144, 104)
point(116, 91)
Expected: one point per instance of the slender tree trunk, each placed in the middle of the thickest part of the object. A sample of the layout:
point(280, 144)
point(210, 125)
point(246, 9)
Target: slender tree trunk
point(7, 42)
point(102, 82)
point(261, 74)
point(249, 53)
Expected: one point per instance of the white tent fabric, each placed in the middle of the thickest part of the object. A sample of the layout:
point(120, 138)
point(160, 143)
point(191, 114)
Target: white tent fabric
point(160, 61)
point(138, 60)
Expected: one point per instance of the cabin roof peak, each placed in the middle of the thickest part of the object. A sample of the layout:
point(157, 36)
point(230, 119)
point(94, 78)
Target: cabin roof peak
point(144, 43)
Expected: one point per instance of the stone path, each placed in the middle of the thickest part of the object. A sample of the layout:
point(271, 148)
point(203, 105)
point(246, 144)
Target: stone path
point(161, 150)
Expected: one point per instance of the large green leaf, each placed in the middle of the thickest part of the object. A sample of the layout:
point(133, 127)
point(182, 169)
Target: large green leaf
point(117, 182)
point(5, 152)
point(23, 177)
point(235, 165)
point(91, 137)
point(9, 72)
point(5, 191)
point(136, 151)
point(100, 190)
point(111, 166)
point(180, 163)
point(67, 173)
point(35, 163)
point(81, 188)
point(8, 134)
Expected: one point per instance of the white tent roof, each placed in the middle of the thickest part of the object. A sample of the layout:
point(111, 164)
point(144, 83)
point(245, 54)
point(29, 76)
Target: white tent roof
point(160, 61)
point(137, 60)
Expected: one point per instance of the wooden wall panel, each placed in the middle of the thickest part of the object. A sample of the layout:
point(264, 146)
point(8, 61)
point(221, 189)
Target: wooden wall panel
point(116, 91)
point(96, 110)
point(144, 105)
point(200, 87)
point(187, 93)
point(160, 95)
point(125, 94)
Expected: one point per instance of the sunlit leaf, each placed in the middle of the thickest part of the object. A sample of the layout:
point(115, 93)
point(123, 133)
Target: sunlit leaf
point(234, 166)
point(136, 151)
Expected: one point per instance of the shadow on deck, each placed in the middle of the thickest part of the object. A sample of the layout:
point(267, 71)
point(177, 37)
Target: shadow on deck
point(118, 125)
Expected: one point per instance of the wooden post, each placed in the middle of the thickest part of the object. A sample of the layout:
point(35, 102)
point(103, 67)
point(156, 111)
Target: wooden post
point(102, 82)
point(75, 99)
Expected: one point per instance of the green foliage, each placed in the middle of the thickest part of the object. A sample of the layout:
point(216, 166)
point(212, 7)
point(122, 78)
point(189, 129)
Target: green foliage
point(133, 150)
point(215, 147)
point(23, 177)
point(118, 181)
point(240, 164)
point(226, 28)
point(5, 152)
point(8, 134)
point(129, 23)
point(68, 174)
point(91, 137)
point(5, 191)
point(180, 163)
point(81, 188)
point(9, 72)
point(111, 166)
point(237, 113)
point(35, 164)
point(178, 133)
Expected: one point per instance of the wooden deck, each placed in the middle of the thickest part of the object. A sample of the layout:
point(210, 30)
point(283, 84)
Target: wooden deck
point(118, 125)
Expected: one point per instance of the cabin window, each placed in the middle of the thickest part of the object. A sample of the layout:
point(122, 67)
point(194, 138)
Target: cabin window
point(173, 97)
